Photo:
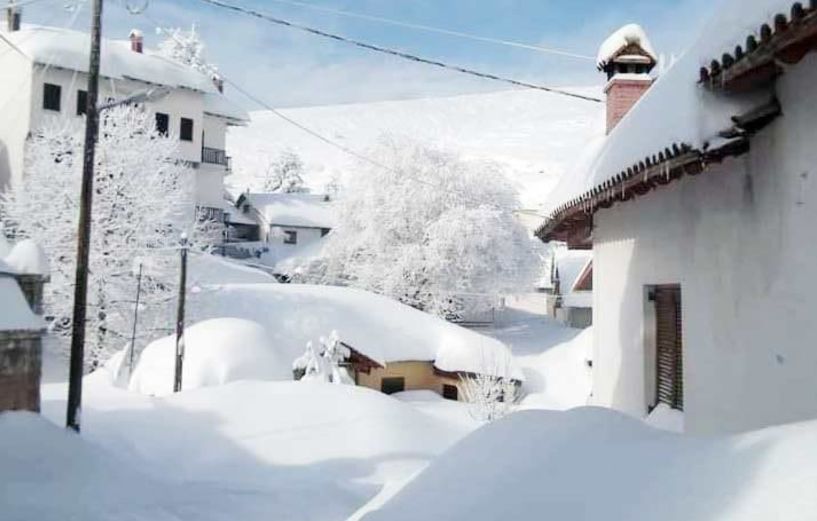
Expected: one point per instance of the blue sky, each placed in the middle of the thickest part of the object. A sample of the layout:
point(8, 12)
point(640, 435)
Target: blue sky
point(289, 68)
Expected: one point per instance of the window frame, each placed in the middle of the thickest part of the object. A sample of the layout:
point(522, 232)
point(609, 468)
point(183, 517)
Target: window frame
point(49, 91)
point(162, 131)
point(186, 134)
point(290, 236)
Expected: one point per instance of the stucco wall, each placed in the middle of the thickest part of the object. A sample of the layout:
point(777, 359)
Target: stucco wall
point(740, 240)
point(15, 103)
point(418, 376)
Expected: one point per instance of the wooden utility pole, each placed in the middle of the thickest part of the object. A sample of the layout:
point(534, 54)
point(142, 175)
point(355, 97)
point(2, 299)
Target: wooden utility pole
point(177, 380)
point(135, 321)
point(73, 412)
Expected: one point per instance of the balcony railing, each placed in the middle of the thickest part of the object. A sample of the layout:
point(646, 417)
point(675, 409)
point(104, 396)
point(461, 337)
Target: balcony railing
point(215, 156)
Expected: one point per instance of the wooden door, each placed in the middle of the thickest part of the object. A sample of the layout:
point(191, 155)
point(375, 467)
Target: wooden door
point(669, 347)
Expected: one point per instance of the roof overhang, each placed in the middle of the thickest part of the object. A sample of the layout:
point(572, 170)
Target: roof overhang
point(758, 63)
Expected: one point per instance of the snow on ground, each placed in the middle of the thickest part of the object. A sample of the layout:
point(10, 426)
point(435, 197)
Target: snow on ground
point(553, 357)
point(216, 352)
point(245, 450)
point(536, 135)
point(594, 464)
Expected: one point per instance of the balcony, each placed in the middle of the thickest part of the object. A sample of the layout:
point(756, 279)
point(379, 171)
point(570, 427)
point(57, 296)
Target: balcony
point(215, 156)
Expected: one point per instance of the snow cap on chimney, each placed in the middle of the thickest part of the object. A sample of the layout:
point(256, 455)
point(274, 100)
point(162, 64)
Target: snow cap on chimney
point(627, 57)
point(136, 40)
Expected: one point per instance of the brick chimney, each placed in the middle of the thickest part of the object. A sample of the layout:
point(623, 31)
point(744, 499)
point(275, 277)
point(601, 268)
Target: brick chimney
point(136, 40)
point(13, 18)
point(627, 57)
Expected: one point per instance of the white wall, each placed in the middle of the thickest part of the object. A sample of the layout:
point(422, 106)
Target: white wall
point(741, 240)
point(21, 105)
point(215, 132)
point(305, 235)
point(15, 103)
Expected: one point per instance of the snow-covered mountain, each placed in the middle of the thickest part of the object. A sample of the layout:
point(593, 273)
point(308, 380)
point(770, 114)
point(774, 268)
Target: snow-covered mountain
point(535, 135)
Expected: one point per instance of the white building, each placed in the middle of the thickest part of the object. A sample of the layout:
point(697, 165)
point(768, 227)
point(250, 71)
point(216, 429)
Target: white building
point(700, 208)
point(570, 295)
point(288, 219)
point(43, 72)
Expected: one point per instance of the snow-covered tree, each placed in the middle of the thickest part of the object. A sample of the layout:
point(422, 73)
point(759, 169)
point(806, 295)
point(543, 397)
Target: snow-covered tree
point(491, 393)
point(143, 201)
point(186, 47)
point(325, 365)
point(285, 174)
point(429, 229)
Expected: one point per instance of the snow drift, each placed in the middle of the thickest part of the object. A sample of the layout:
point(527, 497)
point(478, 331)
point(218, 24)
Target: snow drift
point(595, 464)
point(216, 352)
point(381, 328)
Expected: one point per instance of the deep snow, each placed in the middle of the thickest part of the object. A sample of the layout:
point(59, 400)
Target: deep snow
point(596, 464)
point(245, 450)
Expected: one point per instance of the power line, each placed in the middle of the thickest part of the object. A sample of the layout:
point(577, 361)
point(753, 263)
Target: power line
point(438, 30)
point(385, 50)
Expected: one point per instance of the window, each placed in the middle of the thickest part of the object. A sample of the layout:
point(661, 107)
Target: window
point(162, 123)
point(290, 237)
point(82, 102)
point(52, 95)
point(393, 385)
point(669, 368)
point(186, 130)
point(450, 392)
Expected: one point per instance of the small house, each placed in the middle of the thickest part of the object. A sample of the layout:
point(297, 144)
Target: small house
point(569, 298)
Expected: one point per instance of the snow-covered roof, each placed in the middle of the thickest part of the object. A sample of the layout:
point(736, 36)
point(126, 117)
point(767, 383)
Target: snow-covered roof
point(630, 34)
point(69, 49)
point(676, 109)
point(570, 264)
point(27, 257)
point(376, 326)
point(15, 313)
point(217, 104)
point(304, 210)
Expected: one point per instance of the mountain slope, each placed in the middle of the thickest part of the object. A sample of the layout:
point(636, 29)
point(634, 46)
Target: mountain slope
point(535, 135)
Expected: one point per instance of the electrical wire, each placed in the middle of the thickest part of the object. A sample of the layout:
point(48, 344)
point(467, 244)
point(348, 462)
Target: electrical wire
point(438, 30)
point(392, 52)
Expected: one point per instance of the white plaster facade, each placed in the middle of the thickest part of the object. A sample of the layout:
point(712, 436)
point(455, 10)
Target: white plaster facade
point(22, 81)
point(740, 240)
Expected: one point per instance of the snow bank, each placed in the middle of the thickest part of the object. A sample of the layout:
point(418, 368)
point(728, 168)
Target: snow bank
point(249, 450)
point(217, 351)
point(49, 473)
point(677, 109)
point(595, 464)
point(381, 328)
point(662, 417)
point(628, 35)
point(28, 257)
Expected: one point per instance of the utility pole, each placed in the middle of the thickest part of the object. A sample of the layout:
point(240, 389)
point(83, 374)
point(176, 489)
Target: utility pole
point(177, 380)
point(135, 320)
point(73, 412)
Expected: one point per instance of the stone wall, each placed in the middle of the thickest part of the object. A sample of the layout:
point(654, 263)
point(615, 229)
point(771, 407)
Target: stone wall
point(20, 363)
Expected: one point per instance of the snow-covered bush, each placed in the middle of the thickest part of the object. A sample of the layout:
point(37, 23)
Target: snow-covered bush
point(143, 200)
point(325, 365)
point(491, 397)
point(429, 229)
point(285, 174)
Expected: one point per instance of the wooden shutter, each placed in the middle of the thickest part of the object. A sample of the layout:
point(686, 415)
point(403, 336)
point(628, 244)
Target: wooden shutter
point(669, 348)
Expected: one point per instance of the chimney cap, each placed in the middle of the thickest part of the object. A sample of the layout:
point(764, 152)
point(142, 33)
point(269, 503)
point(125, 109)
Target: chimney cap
point(630, 40)
point(135, 33)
